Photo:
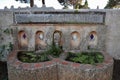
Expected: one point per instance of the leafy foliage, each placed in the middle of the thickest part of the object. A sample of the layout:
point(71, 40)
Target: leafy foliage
point(112, 3)
point(30, 1)
point(78, 5)
point(31, 57)
point(86, 57)
point(65, 3)
point(54, 50)
point(7, 31)
point(85, 6)
point(5, 49)
point(27, 1)
point(23, 1)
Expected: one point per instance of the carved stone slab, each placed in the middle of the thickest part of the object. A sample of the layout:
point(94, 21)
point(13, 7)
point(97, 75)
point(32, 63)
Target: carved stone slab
point(60, 17)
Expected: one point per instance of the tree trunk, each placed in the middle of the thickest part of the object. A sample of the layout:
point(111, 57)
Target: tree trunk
point(43, 2)
point(31, 3)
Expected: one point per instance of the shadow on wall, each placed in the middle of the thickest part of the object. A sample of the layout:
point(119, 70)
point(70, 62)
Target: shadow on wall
point(39, 41)
point(57, 38)
point(75, 40)
point(22, 40)
point(93, 40)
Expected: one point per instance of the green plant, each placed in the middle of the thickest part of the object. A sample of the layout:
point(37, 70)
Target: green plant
point(54, 50)
point(86, 57)
point(2, 48)
point(31, 57)
point(7, 31)
point(76, 11)
point(5, 49)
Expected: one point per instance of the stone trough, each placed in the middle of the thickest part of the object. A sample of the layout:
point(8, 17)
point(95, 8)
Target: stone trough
point(58, 69)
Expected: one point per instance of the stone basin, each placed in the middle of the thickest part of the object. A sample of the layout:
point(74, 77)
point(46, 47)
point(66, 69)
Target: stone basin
point(59, 69)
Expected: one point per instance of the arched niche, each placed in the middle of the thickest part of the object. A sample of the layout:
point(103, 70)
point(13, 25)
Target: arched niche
point(93, 39)
point(75, 40)
point(57, 38)
point(39, 40)
point(22, 40)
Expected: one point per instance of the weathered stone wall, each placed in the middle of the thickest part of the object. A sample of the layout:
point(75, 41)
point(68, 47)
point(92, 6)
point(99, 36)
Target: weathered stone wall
point(18, 70)
point(6, 19)
point(111, 45)
point(66, 30)
point(113, 33)
point(74, 71)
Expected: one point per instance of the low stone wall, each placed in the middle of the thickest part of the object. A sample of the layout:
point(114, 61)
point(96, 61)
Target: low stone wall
point(18, 70)
point(58, 69)
point(75, 71)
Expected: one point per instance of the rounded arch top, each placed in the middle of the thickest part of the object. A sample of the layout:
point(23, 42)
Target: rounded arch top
point(75, 35)
point(40, 34)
